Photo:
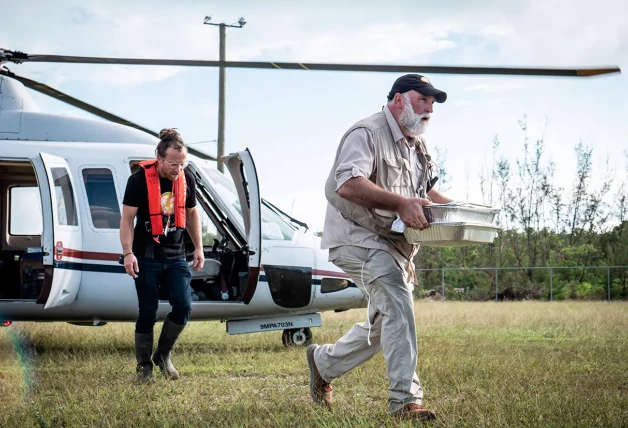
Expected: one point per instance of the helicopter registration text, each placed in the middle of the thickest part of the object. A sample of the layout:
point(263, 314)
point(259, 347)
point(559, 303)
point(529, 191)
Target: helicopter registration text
point(275, 323)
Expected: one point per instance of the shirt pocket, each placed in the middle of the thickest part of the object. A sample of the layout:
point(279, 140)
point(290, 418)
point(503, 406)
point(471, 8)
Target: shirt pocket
point(397, 173)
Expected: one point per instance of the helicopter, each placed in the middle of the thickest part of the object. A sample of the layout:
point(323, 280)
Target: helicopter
point(62, 180)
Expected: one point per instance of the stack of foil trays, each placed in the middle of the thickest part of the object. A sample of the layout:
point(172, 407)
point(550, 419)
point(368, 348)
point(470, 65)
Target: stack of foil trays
point(456, 225)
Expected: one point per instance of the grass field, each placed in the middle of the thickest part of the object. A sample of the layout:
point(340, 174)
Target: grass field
point(481, 364)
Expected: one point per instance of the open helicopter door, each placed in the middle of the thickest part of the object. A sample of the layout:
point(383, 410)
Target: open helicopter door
point(242, 170)
point(61, 237)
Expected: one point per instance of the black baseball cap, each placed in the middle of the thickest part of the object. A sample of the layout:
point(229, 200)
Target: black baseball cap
point(419, 83)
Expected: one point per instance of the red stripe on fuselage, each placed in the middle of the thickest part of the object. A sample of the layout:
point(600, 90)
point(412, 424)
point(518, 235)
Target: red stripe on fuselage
point(112, 257)
point(330, 273)
point(90, 255)
point(316, 272)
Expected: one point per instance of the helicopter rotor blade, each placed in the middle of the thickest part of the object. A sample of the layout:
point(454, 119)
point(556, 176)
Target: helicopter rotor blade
point(200, 154)
point(63, 97)
point(58, 95)
point(19, 57)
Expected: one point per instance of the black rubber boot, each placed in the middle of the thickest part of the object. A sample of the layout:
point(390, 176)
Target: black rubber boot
point(169, 334)
point(143, 349)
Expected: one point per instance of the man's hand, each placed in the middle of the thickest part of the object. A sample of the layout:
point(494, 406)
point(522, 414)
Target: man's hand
point(438, 198)
point(130, 265)
point(199, 259)
point(194, 229)
point(361, 191)
point(126, 239)
point(411, 212)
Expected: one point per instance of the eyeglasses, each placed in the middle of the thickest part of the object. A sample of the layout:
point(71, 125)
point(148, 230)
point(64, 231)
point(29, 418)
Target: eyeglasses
point(174, 165)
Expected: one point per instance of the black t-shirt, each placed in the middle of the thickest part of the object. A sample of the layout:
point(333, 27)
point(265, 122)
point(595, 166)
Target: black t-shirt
point(136, 195)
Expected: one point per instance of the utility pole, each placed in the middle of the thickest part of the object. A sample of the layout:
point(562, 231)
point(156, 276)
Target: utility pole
point(221, 85)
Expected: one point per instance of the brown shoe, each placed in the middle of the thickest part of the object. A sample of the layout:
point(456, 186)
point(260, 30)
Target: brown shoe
point(320, 390)
point(416, 412)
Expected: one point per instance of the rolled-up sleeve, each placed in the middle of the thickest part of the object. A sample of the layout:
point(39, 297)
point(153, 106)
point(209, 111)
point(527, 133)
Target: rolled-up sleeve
point(357, 157)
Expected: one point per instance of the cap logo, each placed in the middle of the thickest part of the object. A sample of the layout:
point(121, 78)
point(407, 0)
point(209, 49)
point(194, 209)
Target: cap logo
point(424, 79)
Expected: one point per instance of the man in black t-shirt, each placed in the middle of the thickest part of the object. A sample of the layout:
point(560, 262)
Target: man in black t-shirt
point(162, 197)
point(136, 195)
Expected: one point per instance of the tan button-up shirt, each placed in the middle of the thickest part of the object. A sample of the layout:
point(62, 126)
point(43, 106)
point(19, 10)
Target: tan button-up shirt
point(357, 159)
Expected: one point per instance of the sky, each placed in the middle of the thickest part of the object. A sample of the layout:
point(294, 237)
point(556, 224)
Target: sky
point(292, 120)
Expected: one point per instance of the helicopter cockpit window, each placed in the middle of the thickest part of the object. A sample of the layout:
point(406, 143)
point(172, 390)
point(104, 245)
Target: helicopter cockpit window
point(274, 227)
point(208, 228)
point(102, 198)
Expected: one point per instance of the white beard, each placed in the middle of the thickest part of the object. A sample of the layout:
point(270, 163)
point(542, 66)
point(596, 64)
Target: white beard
point(411, 121)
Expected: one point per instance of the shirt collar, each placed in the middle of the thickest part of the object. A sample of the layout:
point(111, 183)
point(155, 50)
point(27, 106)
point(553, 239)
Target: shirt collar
point(394, 126)
point(396, 130)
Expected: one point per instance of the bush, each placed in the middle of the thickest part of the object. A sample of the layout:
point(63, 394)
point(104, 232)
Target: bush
point(582, 290)
point(561, 290)
point(480, 295)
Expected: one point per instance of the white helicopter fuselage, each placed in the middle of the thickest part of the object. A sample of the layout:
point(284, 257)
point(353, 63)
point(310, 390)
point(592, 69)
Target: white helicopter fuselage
point(278, 270)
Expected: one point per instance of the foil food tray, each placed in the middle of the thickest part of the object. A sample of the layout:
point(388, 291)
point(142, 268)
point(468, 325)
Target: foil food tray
point(460, 213)
point(455, 234)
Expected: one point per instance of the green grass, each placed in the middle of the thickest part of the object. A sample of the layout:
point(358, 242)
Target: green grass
point(481, 364)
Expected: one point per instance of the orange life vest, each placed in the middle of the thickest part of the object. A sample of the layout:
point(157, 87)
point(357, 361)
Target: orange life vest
point(155, 213)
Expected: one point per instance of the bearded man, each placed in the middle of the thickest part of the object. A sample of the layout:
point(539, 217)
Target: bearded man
point(381, 171)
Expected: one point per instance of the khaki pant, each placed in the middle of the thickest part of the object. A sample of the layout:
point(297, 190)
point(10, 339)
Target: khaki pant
point(392, 329)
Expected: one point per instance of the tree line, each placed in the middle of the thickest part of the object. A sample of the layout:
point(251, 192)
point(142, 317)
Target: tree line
point(542, 224)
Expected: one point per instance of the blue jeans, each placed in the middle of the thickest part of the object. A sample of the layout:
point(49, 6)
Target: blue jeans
point(175, 275)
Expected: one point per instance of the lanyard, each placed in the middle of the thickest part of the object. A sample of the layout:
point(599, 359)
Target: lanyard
point(165, 214)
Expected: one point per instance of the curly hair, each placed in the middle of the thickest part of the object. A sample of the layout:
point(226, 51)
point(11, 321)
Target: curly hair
point(169, 137)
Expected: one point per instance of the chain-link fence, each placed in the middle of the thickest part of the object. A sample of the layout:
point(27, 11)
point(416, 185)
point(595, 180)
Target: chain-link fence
point(525, 283)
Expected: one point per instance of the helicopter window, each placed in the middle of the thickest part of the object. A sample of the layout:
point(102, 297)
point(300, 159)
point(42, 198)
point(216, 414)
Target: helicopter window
point(25, 199)
point(209, 230)
point(102, 198)
point(274, 227)
point(66, 207)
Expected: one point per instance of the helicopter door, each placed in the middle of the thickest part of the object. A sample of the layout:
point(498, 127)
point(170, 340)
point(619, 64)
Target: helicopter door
point(242, 170)
point(61, 237)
